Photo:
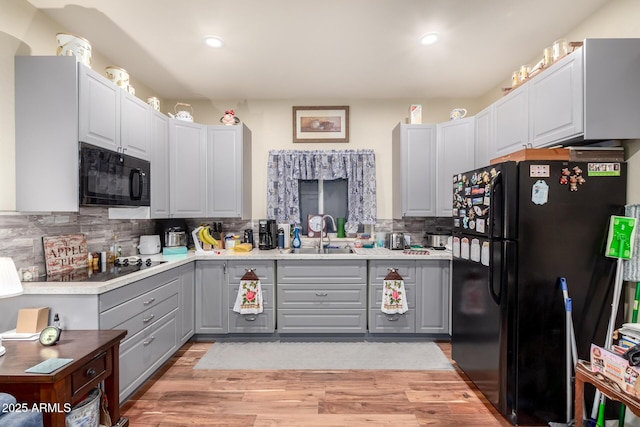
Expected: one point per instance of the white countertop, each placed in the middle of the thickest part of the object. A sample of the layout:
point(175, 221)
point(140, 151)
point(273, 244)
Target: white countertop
point(96, 288)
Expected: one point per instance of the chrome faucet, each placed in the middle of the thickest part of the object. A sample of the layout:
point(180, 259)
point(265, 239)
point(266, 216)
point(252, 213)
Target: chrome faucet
point(333, 222)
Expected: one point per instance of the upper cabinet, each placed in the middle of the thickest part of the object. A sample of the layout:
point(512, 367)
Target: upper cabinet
point(456, 153)
point(414, 167)
point(485, 142)
point(229, 171)
point(160, 165)
point(589, 95)
point(60, 102)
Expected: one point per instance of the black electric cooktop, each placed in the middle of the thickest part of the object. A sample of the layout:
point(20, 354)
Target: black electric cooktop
point(112, 271)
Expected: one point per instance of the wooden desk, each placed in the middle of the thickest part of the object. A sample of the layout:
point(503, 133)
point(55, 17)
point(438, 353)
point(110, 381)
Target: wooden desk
point(606, 387)
point(95, 357)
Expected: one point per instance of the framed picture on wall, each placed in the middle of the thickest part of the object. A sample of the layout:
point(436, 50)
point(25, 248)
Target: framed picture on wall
point(321, 124)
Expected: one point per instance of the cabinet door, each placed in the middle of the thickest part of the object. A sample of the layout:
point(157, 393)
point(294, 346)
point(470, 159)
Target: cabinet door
point(414, 165)
point(99, 110)
point(556, 101)
point(455, 154)
point(135, 126)
point(159, 165)
point(211, 297)
point(485, 143)
point(512, 121)
point(187, 303)
point(188, 161)
point(225, 174)
point(433, 297)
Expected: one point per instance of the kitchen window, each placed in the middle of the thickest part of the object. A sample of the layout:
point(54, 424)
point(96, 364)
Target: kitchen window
point(323, 196)
point(289, 170)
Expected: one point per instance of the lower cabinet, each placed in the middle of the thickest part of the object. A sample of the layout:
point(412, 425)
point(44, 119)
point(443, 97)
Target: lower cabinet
point(427, 291)
point(154, 311)
point(211, 297)
point(318, 296)
point(252, 323)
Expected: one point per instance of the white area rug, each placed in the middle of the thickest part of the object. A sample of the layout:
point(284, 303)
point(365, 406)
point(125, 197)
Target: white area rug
point(407, 356)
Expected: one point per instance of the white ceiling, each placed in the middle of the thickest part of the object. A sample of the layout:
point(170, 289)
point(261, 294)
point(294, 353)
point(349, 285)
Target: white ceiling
point(289, 49)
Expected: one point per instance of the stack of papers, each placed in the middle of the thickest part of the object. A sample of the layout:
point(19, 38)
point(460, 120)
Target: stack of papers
point(12, 335)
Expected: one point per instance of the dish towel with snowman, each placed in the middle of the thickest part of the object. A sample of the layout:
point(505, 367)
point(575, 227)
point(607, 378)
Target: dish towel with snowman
point(249, 298)
point(394, 297)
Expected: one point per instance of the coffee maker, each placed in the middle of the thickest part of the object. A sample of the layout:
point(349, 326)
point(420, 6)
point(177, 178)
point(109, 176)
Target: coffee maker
point(267, 234)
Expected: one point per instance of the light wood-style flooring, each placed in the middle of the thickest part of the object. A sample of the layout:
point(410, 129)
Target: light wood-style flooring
point(178, 395)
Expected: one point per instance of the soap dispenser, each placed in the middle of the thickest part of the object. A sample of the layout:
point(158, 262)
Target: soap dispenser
point(296, 242)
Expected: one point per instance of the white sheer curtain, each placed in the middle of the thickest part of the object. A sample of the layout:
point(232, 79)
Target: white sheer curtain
point(286, 167)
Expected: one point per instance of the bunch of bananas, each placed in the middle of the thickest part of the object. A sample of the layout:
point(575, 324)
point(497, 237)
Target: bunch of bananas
point(205, 236)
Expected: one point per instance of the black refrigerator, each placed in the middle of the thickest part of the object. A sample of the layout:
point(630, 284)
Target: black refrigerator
point(518, 228)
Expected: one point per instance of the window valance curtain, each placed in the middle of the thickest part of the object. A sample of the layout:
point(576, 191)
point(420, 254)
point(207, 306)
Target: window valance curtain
point(286, 167)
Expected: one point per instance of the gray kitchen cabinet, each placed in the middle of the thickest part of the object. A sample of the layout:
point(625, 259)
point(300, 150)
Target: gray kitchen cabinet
point(511, 115)
point(135, 126)
point(252, 323)
point(414, 163)
point(211, 297)
point(160, 182)
point(321, 296)
point(380, 322)
point(455, 153)
point(187, 169)
point(151, 312)
point(99, 110)
point(484, 141)
point(229, 171)
point(187, 317)
point(432, 293)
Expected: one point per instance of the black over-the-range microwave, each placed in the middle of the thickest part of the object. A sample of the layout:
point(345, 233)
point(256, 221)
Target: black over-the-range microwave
point(108, 178)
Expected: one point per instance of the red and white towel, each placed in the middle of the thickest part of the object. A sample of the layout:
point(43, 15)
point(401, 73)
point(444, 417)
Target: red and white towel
point(249, 298)
point(394, 297)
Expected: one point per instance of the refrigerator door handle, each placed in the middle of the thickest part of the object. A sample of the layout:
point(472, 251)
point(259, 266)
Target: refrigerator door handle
point(495, 181)
point(495, 296)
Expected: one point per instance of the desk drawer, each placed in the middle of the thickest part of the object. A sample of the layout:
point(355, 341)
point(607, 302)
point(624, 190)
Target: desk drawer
point(84, 378)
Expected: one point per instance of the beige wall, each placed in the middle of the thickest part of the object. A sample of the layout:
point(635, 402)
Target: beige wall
point(25, 31)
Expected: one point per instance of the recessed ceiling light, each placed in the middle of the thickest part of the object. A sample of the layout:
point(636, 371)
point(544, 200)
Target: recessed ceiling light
point(213, 41)
point(429, 39)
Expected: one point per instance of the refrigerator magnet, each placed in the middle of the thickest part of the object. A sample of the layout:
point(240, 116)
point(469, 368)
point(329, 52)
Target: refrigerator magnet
point(540, 192)
point(480, 225)
point(484, 254)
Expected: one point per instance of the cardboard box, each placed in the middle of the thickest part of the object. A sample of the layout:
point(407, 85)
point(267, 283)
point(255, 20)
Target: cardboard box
point(32, 320)
point(616, 368)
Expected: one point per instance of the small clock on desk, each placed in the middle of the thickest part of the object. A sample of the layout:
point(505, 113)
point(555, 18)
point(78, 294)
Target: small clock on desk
point(315, 225)
point(50, 335)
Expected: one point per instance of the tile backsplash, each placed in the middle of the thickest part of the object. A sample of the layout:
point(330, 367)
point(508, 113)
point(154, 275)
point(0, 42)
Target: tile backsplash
point(21, 234)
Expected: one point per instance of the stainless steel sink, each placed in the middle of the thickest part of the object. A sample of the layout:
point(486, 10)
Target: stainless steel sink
point(324, 251)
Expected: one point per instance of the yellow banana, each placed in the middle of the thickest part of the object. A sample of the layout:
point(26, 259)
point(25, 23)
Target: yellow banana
point(200, 234)
point(208, 238)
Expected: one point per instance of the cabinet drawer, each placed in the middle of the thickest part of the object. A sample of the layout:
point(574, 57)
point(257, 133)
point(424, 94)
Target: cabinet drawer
point(378, 270)
point(375, 296)
point(380, 322)
point(322, 296)
point(322, 271)
point(85, 378)
point(128, 292)
point(322, 321)
point(251, 323)
point(145, 352)
point(263, 269)
point(267, 295)
point(149, 316)
point(135, 306)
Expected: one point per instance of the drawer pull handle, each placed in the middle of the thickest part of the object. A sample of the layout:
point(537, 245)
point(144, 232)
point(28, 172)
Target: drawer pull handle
point(321, 294)
point(393, 319)
point(149, 301)
point(148, 319)
point(147, 342)
point(91, 372)
point(250, 319)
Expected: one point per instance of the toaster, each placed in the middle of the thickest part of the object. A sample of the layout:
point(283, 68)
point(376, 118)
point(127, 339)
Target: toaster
point(395, 241)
